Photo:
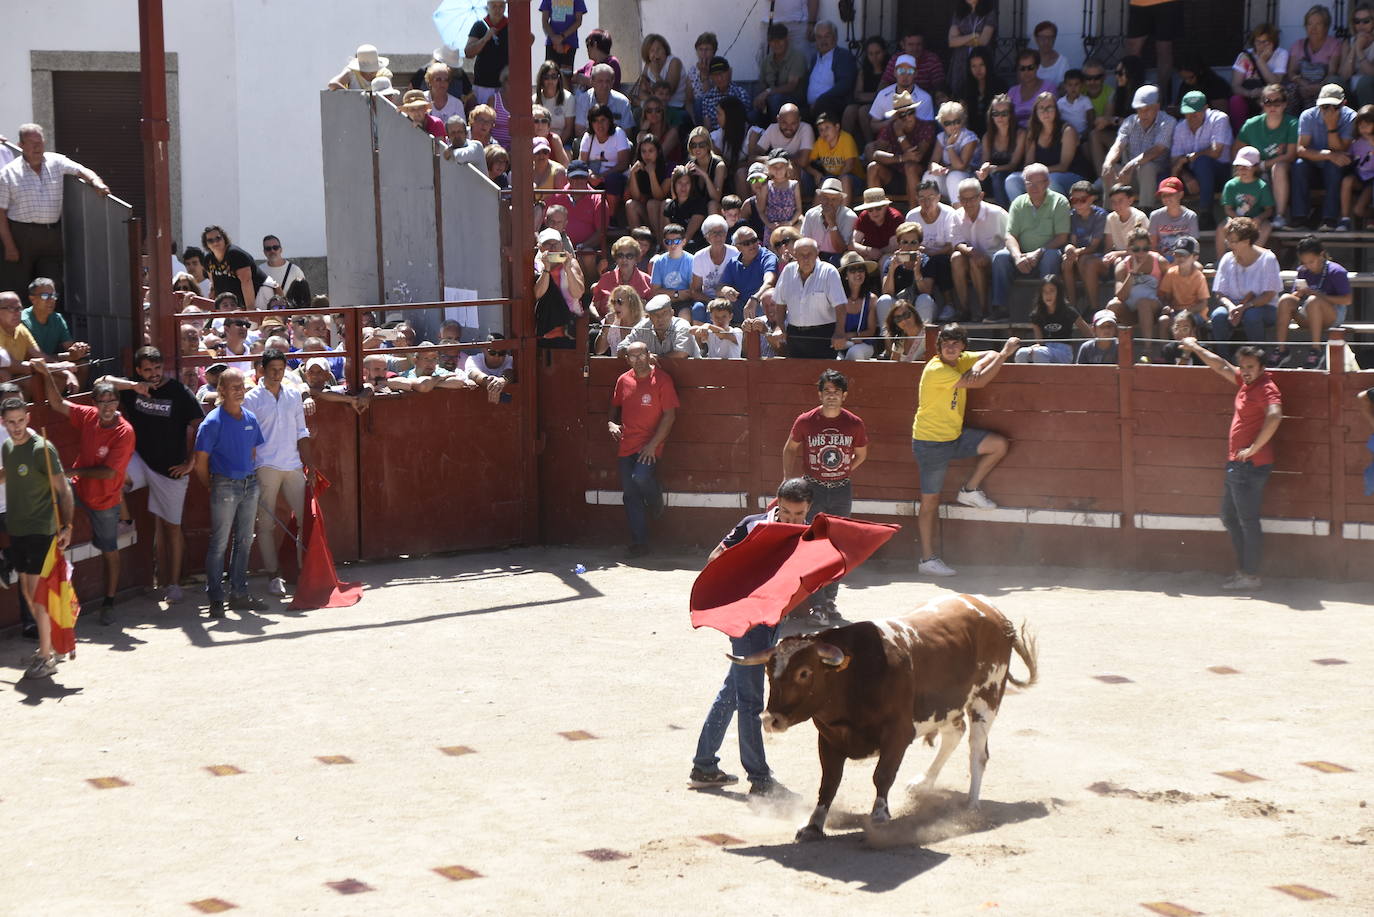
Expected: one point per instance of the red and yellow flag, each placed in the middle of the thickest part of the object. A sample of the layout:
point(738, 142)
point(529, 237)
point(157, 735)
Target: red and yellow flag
point(56, 594)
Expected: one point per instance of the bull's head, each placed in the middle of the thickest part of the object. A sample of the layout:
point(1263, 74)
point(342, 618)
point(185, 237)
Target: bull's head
point(798, 679)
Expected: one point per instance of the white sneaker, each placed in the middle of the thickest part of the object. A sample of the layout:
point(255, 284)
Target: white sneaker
point(277, 587)
point(935, 567)
point(975, 498)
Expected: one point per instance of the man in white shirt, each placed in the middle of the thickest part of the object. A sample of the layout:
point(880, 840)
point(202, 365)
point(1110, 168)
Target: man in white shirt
point(789, 134)
point(830, 222)
point(289, 277)
point(979, 230)
point(284, 462)
point(815, 301)
point(906, 82)
point(936, 220)
point(460, 147)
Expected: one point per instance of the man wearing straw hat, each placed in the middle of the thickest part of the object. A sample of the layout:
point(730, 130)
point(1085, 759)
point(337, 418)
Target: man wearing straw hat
point(38, 508)
point(830, 222)
point(902, 148)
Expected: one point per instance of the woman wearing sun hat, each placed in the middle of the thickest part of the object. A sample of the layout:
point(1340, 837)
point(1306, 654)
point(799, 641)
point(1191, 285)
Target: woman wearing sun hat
point(364, 67)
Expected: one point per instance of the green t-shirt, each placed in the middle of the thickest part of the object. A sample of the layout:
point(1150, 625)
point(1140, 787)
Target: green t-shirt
point(1034, 227)
point(1256, 133)
point(29, 509)
point(1248, 199)
point(50, 335)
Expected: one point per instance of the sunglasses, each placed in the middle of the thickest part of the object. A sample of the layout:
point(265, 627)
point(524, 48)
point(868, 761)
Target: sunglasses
point(210, 240)
point(627, 257)
point(1272, 101)
point(543, 121)
point(1140, 248)
point(46, 295)
point(672, 241)
point(1000, 113)
point(1363, 20)
point(1025, 68)
point(1094, 77)
point(908, 241)
point(698, 145)
point(1080, 199)
point(271, 248)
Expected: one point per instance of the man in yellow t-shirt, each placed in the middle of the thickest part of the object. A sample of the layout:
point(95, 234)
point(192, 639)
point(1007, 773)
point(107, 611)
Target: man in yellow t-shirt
point(938, 435)
point(15, 340)
point(834, 155)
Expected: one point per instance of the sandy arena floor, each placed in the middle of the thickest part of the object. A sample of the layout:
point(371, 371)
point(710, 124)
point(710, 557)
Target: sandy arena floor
point(493, 734)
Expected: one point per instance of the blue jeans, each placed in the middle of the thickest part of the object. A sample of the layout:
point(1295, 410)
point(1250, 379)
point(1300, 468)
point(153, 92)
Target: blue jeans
point(1209, 173)
point(1004, 271)
point(1329, 175)
point(233, 508)
point(833, 501)
point(1240, 511)
point(642, 495)
point(1059, 181)
point(1252, 323)
point(743, 692)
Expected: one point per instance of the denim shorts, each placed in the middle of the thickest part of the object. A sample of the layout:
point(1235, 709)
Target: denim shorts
point(934, 458)
point(104, 527)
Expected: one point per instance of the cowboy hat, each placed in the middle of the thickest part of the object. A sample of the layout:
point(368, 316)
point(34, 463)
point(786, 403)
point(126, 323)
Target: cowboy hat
point(900, 103)
point(874, 197)
point(854, 259)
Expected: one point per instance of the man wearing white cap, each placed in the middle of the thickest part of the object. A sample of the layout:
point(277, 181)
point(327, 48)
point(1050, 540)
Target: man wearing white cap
point(1140, 154)
point(880, 112)
point(1325, 132)
point(665, 334)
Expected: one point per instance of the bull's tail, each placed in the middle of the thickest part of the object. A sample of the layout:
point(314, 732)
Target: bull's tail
point(1025, 646)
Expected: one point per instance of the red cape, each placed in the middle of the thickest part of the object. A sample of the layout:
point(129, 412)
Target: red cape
point(771, 571)
point(318, 585)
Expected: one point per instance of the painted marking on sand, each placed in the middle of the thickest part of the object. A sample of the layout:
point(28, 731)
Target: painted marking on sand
point(1113, 679)
point(1327, 767)
point(457, 750)
point(577, 735)
point(224, 770)
point(334, 759)
point(350, 886)
point(457, 873)
point(1168, 908)
point(604, 855)
point(212, 905)
point(1239, 776)
point(1222, 670)
point(1303, 892)
point(107, 783)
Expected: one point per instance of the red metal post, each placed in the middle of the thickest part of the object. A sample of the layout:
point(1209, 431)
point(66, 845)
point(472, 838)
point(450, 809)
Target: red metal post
point(521, 253)
point(156, 165)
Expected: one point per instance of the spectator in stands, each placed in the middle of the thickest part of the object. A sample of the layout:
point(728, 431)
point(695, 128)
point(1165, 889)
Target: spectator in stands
point(20, 349)
point(955, 147)
point(226, 444)
point(491, 369)
point(31, 209)
point(604, 98)
point(1315, 60)
point(643, 408)
point(1325, 134)
point(1321, 295)
point(1053, 65)
point(289, 278)
point(748, 277)
point(284, 462)
point(461, 148)
point(1172, 220)
point(1356, 187)
point(870, 67)
point(655, 123)
point(1246, 285)
point(938, 435)
point(897, 97)
point(489, 43)
point(1083, 252)
point(1004, 147)
point(979, 231)
point(381, 86)
point(721, 84)
point(1102, 349)
point(781, 71)
point(233, 270)
point(498, 165)
point(549, 174)
point(930, 70)
point(588, 216)
point(625, 254)
point(626, 311)
point(658, 65)
point(907, 276)
point(1141, 150)
point(106, 445)
point(1246, 195)
point(1101, 130)
point(1052, 141)
point(699, 73)
point(1181, 325)
point(481, 124)
point(708, 264)
point(1076, 107)
point(1184, 287)
point(1029, 85)
point(814, 296)
point(904, 333)
point(735, 142)
point(1037, 228)
point(418, 109)
point(606, 149)
point(560, 27)
point(427, 375)
point(875, 231)
point(51, 334)
point(973, 29)
point(936, 220)
point(665, 334)
point(598, 46)
point(707, 170)
point(194, 260)
point(1123, 218)
point(1201, 146)
point(789, 134)
point(1262, 64)
point(1356, 67)
point(830, 223)
point(831, 85)
point(672, 274)
point(558, 289)
point(183, 282)
point(1138, 276)
point(1055, 323)
point(716, 337)
point(365, 66)
point(833, 155)
point(1249, 454)
point(771, 328)
point(860, 329)
point(1195, 75)
point(439, 80)
point(553, 95)
point(902, 150)
point(981, 86)
point(450, 332)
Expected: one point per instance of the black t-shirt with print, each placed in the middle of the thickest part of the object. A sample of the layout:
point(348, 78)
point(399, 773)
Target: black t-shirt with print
point(1057, 326)
point(160, 419)
point(224, 274)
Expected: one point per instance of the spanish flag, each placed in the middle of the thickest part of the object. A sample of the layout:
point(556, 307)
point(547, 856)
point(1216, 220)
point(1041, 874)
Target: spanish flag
point(56, 594)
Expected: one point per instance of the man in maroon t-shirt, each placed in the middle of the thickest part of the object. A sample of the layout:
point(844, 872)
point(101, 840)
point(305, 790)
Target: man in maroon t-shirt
point(1249, 454)
point(107, 445)
point(826, 446)
point(643, 407)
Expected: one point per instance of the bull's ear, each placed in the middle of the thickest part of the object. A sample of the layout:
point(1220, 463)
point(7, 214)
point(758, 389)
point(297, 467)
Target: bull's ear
point(832, 655)
point(758, 658)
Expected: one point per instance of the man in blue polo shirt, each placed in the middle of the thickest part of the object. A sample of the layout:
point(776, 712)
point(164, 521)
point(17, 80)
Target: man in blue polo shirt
point(225, 446)
point(744, 280)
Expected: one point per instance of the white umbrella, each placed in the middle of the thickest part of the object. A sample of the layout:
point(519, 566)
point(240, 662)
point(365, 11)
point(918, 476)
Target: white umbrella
point(454, 19)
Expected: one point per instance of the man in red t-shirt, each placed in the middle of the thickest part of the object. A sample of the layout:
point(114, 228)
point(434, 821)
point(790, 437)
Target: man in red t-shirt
point(1249, 454)
point(643, 407)
point(826, 446)
point(107, 444)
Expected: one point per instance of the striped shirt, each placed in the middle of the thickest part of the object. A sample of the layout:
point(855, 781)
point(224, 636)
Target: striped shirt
point(35, 197)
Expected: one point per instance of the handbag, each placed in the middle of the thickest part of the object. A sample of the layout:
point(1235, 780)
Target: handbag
point(1308, 69)
point(1256, 81)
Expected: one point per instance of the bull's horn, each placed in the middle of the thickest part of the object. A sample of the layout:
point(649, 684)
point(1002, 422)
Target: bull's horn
point(758, 658)
point(830, 655)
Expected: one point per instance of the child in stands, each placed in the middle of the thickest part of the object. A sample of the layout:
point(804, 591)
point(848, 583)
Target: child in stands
point(1247, 195)
point(1184, 288)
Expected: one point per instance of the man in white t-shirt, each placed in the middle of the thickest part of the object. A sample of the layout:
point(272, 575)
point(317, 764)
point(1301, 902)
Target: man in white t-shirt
point(905, 70)
point(709, 263)
point(289, 277)
point(789, 134)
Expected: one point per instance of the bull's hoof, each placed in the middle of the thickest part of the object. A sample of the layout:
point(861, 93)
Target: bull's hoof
point(881, 817)
point(810, 833)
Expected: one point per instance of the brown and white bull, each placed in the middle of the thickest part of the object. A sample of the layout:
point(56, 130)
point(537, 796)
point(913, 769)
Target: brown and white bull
point(875, 686)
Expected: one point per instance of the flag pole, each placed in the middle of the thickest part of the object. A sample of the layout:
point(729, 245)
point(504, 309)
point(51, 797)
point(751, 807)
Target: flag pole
point(57, 522)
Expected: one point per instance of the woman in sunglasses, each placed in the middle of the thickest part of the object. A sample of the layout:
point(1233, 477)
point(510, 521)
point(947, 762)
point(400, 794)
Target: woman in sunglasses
point(551, 93)
point(1356, 67)
point(1028, 86)
point(233, 270)
point(1262, 63)
point(1004, 146)
point(654, 121)
point(627, 310)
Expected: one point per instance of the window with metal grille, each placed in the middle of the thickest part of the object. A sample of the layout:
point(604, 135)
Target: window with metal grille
point(96, 121)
